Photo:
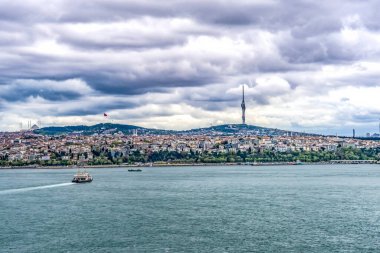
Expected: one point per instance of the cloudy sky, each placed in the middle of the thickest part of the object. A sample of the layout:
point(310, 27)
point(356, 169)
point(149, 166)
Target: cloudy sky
point(307, 65)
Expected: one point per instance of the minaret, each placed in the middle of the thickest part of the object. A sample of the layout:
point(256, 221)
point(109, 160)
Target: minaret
point(243, 108)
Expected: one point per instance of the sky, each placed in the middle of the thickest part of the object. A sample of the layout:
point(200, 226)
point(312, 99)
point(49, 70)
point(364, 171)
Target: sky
point(310, 66)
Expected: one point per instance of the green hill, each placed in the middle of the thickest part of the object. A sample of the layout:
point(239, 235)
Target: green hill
point(96, 129)
point(228, 129)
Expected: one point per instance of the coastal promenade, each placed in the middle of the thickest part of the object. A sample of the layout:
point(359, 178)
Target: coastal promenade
point(354, 162)
point(337, 162)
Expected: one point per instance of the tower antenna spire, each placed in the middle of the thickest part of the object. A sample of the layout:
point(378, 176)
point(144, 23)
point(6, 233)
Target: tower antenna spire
point(243, 108)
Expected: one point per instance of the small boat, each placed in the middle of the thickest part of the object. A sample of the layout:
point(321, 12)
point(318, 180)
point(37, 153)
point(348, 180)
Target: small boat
point(134, 170)
point(82, 177)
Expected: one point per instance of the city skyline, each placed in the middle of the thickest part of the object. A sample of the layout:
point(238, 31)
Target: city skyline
point(304, 66)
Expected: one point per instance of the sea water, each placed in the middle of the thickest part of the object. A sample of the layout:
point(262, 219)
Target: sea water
point(319, 208)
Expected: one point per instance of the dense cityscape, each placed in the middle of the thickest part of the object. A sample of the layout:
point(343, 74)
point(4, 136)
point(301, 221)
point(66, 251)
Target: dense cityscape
point(28, 148)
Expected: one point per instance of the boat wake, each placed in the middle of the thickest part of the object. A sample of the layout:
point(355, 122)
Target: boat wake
point(33, 188)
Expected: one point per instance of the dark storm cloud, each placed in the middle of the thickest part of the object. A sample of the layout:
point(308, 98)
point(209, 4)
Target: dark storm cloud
point(128, 80)
point(51, 90)
point(128, 43)
point(264, 14)
point(301, 17)
point(267, 14)
point(23, 94)
point(94, 109)
point(132, 83)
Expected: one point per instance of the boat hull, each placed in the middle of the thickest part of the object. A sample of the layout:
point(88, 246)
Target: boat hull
point(81, 181)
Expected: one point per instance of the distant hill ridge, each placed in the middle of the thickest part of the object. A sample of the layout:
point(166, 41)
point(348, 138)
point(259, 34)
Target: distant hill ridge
point(227, 129)
point(98, 128)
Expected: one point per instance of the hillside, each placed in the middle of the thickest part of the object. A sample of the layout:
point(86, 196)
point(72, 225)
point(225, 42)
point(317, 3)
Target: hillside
point(230, 129)
point(98, 129)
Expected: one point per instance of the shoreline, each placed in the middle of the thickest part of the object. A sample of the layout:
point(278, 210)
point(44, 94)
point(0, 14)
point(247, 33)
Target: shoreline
point(106, 166)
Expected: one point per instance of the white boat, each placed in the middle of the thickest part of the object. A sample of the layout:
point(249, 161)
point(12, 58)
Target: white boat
point(82, 177)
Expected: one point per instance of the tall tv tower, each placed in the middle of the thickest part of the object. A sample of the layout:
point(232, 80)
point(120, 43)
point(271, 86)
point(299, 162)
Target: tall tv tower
point(243, 108)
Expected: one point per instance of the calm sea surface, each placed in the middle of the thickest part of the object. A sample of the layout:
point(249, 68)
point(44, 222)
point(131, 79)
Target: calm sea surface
point(193, 209)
